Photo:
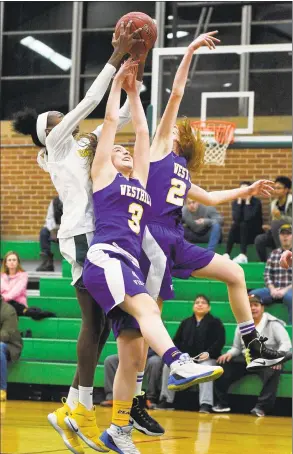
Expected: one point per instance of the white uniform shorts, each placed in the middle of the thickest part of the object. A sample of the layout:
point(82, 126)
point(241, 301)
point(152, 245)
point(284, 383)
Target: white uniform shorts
point(74, 250)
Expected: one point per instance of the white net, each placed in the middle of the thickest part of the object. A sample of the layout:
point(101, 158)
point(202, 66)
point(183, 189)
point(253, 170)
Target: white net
point(217, 136)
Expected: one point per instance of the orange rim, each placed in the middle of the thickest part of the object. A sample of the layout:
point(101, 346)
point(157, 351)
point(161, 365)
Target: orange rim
point(223, 130)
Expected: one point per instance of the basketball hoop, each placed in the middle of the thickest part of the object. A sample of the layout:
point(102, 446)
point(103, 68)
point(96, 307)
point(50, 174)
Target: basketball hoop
point(217, 135)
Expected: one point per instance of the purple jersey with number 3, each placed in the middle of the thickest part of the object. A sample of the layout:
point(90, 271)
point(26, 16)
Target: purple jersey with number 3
point(168, 185)
point(122, 211)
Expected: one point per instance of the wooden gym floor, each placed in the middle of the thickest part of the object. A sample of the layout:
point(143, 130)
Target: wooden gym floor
point(25, 430)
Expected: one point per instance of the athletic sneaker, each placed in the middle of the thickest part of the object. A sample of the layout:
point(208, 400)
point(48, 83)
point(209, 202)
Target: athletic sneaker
point(83, 422)
point(119, 439)
point(241, 258)
point(56, 419)
point(259, 356)
point(141, 420)
point(3, 395)
point(221, 408)
point(185, 373)
point(257, 412)
point(205, 408)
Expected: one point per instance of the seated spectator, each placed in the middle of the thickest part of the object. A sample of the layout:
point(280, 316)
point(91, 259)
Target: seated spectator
point(281, 213)
point(278, 280)
point(234, 363)
point(246, 225)
point(14, 288)
point(153, 372)
point(197, 334)
point(49, 234)
point(202, 224)
point(10, 343)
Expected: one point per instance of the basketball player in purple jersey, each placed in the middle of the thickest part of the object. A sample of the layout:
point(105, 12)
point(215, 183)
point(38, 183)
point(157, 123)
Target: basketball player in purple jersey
point(175, 151)
point(112, 274)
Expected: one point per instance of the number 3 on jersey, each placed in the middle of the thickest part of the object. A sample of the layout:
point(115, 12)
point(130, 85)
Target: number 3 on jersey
point(134, 223)
point(176, 193)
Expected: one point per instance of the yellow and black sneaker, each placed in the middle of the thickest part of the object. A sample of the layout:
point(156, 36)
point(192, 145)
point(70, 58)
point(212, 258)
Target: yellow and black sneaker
point(259, 356)
point(83, 423)
point(56, 419)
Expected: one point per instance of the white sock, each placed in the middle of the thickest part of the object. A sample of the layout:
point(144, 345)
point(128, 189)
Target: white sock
point(72, 398)
point(86, 396)
point(139, 379)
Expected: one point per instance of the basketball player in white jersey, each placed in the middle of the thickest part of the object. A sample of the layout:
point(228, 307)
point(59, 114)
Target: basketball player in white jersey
point(67, 156)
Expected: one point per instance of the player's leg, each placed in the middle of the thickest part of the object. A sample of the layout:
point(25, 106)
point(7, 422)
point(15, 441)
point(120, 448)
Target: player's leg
point(118, 436)
point(140, 418)
point(184, 372)
point(191, 260)
point(110, 368)
point(94, 328)
point(258, 355)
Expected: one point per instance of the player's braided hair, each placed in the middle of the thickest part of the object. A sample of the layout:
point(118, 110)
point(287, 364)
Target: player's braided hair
point(192, 146)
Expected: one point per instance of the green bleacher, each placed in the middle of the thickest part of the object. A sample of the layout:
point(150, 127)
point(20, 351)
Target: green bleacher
point(30, 250)
point(49, 357)
point(27, 250)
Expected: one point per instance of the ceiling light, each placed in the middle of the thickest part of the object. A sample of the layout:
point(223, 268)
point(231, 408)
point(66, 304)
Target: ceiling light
point(170, 17)
point(47, 52)
point(168, 90)
point(227, 84)
point(179, 34)
point(143, 88)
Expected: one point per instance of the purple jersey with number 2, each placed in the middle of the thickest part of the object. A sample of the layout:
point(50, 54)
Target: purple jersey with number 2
point(165, 252)
point(168, 185)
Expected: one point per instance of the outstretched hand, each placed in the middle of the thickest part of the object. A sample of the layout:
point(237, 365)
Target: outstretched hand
point(127, 69)
point(206, 39)
point(261, 188)
point(129, 84)
point(126, 40)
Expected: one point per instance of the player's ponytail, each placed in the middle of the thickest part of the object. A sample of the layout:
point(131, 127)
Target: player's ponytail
point(192, 146)
point(25, 122)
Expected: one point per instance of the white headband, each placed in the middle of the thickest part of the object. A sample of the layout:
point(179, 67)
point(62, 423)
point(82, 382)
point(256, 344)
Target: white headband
point(42, 126)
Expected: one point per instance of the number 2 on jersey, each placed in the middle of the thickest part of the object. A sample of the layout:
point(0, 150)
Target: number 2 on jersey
point(176, 192)
point(134, 223)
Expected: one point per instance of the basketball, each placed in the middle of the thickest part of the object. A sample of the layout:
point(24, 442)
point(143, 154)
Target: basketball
point(149, 32)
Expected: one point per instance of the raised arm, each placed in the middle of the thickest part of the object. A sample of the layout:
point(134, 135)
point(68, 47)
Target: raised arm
point(162, 142)
point(63, 131)
point(102, 163)
point(124, 112)
point(259, 188)
point(141, 156)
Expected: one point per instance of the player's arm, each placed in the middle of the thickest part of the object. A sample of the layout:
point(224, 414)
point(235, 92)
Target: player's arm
point(259, 188)
point(102, 162)
point(63, 131)
point(141, 156)
point(124, 112)
point(162, 142)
